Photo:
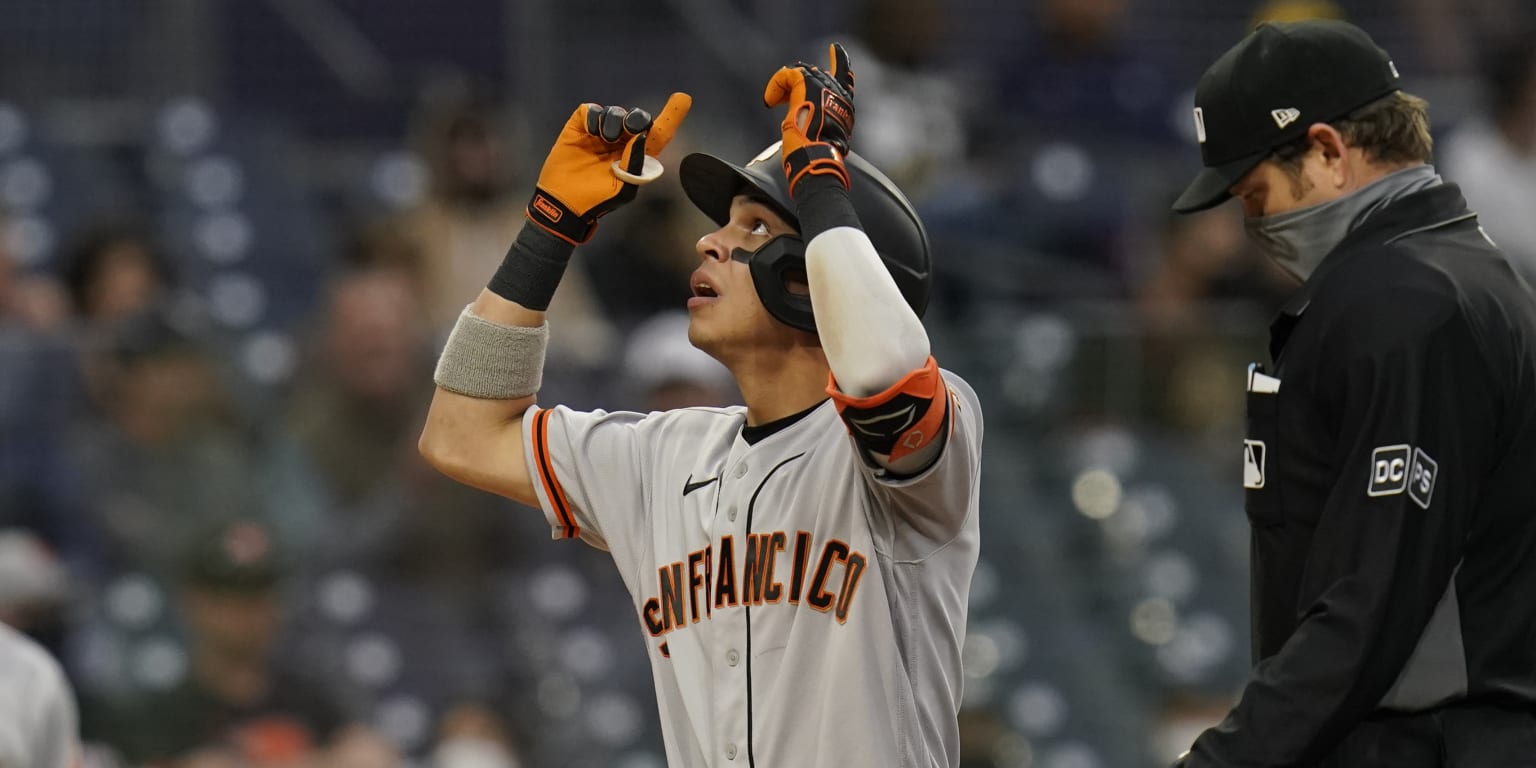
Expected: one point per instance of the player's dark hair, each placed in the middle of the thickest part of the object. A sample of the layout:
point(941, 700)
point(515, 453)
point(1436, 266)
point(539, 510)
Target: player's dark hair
point(1392, 129)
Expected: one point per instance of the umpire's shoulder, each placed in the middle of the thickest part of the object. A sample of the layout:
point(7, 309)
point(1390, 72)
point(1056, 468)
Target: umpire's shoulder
point(1387, 300)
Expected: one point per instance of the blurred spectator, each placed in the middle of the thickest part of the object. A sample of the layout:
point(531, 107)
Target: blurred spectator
point(37, 709)
point(1079, 71)
point(911, 114)
point(472, 737)
point(34, 588)
point(32, 302)
point(642, 258)
point(1206, 258)
point(1448, 30)
point(666, 371)
point(38, 394)
point(366, 389)
point(165, 454)
point(1078, 119)
point(470, 217)
point(114, 271)
point(1493, 155)
point(236, 706)
point(1296, 10)
point(384, 244)
point(987, 741)
point(356, 415)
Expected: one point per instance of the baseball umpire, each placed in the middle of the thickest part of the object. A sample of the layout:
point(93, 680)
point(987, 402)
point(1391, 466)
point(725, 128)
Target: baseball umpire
point(1390, 462)
point(800, 565)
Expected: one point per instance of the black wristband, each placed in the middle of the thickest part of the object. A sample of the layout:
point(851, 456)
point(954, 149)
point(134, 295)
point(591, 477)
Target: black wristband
point(822, 203)
point(532, 269)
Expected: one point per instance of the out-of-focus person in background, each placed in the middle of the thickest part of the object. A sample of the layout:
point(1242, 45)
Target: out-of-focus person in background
point(470, 736)
point(35, 589)
point(1076, 110)
point(1083, 70)
point(1493, 154)
point(1448, 32)
point(355, 415)
point(472, 210)
point(641, 267)
point(236, 703)
point(38, 714)
point(1206, 258)
point(1296, 10)
point(114, 271)
point(39, 394)
point(163, 453)
point(666, 371)
point(30, 301)
point(913, 112)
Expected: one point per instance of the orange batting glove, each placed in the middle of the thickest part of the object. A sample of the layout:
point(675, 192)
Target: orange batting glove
point(819, 122)
point(598, 163)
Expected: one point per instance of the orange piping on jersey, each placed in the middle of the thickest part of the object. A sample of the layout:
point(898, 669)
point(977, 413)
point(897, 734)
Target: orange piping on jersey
point(546, 469)
point(925, 383)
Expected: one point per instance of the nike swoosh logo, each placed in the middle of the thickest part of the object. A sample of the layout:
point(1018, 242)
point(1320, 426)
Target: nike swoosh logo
point(689, 486)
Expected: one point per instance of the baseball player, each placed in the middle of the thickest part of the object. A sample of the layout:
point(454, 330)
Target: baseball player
point(800, 566)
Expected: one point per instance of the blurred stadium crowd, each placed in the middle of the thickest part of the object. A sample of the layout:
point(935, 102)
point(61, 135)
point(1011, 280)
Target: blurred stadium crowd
point(234, 234)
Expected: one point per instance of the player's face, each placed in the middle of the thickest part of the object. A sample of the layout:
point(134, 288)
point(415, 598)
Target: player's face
point(725, 310)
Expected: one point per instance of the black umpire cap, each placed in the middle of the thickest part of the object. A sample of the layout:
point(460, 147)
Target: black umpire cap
point(1269, 88)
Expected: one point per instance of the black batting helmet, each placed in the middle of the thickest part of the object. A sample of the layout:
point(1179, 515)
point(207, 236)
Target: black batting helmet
point(884, 212)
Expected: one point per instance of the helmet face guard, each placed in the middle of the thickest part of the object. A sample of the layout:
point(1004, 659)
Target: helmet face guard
point(771, 265)
point(885, 214)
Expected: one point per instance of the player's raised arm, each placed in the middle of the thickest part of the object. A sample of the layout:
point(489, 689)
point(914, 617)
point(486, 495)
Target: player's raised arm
point(875, 343)
point(492, 364)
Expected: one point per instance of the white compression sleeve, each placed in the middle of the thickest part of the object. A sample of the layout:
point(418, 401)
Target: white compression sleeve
point(871, 337)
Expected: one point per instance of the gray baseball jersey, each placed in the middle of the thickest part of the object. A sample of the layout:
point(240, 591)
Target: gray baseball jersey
point(802, 608)
point(37, 709)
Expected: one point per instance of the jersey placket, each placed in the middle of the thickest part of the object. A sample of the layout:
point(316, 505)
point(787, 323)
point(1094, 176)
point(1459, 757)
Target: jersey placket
point(729, 658)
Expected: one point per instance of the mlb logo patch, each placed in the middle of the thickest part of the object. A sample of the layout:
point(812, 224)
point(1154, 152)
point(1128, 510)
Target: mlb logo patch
point(1389, 470)
point(1253, 464)
point(1421, 479)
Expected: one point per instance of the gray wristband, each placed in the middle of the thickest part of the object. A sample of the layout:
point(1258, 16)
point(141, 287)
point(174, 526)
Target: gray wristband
point(492, 361)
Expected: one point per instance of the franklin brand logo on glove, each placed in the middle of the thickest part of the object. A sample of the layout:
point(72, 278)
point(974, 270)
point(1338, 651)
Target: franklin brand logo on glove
point(547, 208)
point(837, 109)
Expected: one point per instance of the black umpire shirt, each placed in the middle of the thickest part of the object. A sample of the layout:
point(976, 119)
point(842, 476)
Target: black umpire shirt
point(1390, 469)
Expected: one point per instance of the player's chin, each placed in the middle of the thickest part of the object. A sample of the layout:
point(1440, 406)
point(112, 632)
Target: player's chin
point(700, 332)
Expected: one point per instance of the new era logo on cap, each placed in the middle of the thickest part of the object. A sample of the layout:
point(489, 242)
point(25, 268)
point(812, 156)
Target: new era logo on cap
point(1284, 117)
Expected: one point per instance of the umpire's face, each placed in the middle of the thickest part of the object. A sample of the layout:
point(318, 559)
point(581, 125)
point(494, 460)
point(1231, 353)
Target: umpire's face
point(1328, 170)
point(726, 318)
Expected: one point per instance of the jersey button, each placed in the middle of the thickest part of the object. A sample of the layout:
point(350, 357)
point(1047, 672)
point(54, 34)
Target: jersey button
point(731, 657)
point(731, 513)
point(730, 751)
point(741, 470)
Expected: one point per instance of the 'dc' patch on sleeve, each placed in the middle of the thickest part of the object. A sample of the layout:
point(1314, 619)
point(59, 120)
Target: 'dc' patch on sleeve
point(1389, 470)
point(1399, 468)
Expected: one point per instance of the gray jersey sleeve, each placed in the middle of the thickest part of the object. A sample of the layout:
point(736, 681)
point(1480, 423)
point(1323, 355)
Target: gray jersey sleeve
point(589, 468)
point(938, 502)
point(38, 716)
